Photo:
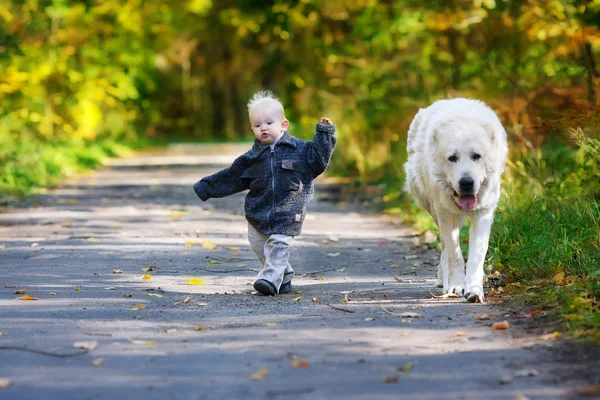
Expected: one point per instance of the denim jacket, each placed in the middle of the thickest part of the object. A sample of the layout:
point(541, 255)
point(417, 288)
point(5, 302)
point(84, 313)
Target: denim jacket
point(280, 180)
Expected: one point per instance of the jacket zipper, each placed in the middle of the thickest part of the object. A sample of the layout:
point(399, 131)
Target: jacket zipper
point(272, 187)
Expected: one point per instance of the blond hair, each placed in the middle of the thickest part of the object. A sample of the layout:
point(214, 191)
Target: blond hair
point(266, 97)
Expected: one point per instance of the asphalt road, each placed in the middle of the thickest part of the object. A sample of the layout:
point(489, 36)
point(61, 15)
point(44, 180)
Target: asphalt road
point(343, 333)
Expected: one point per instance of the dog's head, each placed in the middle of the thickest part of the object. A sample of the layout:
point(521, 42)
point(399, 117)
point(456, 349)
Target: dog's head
point(464, 159)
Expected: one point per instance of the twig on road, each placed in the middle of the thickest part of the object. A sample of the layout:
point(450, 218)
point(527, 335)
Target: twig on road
point(45, 353)
point(341, 309)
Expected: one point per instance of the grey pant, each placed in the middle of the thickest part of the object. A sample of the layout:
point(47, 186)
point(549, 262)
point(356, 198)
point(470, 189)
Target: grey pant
point(273, 251)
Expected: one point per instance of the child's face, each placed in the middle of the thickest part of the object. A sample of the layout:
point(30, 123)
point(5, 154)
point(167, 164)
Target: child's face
point(268, 122)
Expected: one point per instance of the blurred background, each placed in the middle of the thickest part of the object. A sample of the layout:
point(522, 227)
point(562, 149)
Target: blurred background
point(84, 80)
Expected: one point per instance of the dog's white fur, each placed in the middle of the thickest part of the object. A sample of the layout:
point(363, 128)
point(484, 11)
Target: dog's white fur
point(449, 142)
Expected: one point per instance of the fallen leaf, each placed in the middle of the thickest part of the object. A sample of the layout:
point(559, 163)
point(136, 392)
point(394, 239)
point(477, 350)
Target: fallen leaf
point(445, 296)
point(297, 299)
point(201, 328)
point(195, 281)
point(92, 239)
point(2, 333)
point(232, 248)
point(172, 330)
point(98, 362)
point(483, 317)
point(26, 297)
point(78, 289)
point(333, 254)
point(389, 379)
point(298, 292)
point(559, 278)
point(214, 262)
point(272, 324)
point(5, 383)
point(333, 239)
point(89, 345)
point(370, 319)
point(34, 245)
point(407, 367)
point(320, 278)
point(21, 291)
point(110, 288)
point(297, 363)
point(461, 333)
point(186, 300)
point(190, 243)
point(208, 245)
point(117, 271)
point(136, 307)
point(146, 277)
point(416, 266)
point(410, 257)
point(345, 299)
point(500, 326)
point(154, 294)
point(143, 342)
point(260, 375)
point(590, 391)
point(341, 269)
point(67, 224)
point(147, 269)
point(521, 397)
point(395, 266)
point(52, 294)
point(315, 300)
point(550, 336)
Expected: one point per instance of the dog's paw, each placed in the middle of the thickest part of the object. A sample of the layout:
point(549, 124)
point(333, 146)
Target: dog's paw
point(474, 294)
point(456, 289)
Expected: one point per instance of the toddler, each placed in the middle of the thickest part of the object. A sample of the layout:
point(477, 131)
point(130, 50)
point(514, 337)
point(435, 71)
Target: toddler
point(279, 171)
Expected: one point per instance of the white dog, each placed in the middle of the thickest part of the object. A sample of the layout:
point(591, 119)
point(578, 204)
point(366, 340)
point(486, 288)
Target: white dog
point(456, 154)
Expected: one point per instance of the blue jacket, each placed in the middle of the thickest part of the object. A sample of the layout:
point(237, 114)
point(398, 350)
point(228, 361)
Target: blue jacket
point(280, 180)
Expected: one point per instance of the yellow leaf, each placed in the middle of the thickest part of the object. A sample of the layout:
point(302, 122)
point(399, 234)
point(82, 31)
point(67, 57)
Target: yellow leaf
point(395, 266)
point(98, 362)
point(138, 306)
point(551, 336)
point(341, 269)
point(208, 245)
point(298, 292)
point(195, 281)
point(214, 262)
point(407, 367)
point(154, 295)
point(26, 297)
point(445, 296)
point(461, 333)
point(345, 299)
point(232, 248)
point(78, 289)
point(146, 277)
point(92, 239)
point(320, 278)
point(297, 299)
point(297, 363)
point(190, 242)
point(67, 224)
point(143, 342)
point(559, 278)
point(201, 328)
point(333, 254)
point(260, 375)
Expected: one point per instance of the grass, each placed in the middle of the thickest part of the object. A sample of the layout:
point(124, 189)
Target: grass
point(546, 235)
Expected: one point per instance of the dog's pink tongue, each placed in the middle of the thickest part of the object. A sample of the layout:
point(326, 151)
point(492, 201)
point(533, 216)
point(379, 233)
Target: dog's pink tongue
point(467, 202)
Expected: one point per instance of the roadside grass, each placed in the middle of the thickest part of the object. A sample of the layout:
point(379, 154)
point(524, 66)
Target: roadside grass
point(545, 240)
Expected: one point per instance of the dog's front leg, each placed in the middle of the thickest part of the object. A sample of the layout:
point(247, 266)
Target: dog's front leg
point(479, 236)
point(454, 281)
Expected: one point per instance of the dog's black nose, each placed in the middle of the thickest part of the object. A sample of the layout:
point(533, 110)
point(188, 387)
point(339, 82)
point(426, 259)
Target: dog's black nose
point(466, 185)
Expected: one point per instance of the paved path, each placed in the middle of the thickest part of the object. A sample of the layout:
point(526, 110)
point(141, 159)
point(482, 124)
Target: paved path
point(209, 341)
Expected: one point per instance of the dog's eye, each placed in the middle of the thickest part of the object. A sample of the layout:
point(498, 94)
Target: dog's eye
point(453, 159)
point(476, 157)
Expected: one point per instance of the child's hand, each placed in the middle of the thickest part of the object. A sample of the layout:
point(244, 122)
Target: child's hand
point(326, 121)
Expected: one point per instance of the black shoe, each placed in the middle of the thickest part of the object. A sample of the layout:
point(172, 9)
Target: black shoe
point(265, 287)
point(285, 288)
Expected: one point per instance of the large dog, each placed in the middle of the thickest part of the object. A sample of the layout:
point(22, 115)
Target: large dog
point(456, 154)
